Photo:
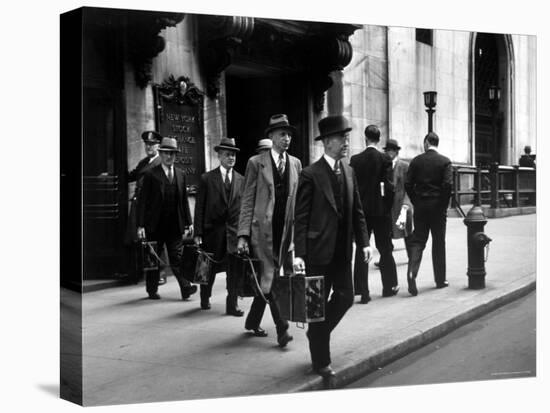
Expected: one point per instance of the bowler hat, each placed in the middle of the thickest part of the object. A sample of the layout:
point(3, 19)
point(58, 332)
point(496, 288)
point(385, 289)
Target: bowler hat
point(279, 121)
point(392, 144)
point(150, 136)
point(169, 145)
point(332, 125)
point(228, 144)
point(264, 144)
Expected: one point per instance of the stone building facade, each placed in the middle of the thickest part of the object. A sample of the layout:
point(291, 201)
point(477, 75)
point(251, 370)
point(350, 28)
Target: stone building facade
point(247, 69)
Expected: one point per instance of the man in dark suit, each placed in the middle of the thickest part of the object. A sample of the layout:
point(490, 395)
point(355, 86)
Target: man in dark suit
point(217, 219)
point(163, 215)
point(373, 171)
point(266, 218)
point(527, 160)
point(151, 141)
point(401, 211)
point(428, 184)
point(328, 216)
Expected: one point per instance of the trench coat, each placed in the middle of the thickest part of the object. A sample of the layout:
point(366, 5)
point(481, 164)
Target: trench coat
point(256, 215)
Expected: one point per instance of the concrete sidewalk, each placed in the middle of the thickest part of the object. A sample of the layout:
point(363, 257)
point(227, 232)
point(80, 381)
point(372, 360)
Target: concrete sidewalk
point(138, 350)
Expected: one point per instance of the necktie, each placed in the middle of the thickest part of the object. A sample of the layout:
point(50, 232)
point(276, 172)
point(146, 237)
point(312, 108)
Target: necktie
point(227, 183)
point(170, 175)
point(281, 166)
point(337, 169)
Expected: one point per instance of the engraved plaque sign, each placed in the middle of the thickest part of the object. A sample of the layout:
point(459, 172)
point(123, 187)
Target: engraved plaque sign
point(179, 115)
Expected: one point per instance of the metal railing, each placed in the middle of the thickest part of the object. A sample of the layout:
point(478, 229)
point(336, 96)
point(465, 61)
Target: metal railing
point(498, 186)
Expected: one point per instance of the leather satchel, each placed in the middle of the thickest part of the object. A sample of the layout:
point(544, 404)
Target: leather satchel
point(197, 265)
point(246, 273)
point(301, 298)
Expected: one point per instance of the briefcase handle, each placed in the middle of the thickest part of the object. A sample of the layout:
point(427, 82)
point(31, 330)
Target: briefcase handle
point(255, 278)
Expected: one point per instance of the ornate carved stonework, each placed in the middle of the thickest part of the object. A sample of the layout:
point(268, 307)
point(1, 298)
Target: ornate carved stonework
point(220, 35)
point(283, 46)
point(181, 91)
point(144, 42)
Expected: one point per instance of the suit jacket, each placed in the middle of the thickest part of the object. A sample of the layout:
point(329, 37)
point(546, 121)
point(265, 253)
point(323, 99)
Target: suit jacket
point(216, 215)
point(136, 174)
point(150, 200)
point(316, 216)
point(430, 176)
point(373, 167)
point(400, 198)
point(255, 220)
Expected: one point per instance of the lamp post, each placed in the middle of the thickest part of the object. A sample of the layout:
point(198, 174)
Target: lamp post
point(494, 99)
point(430, 100)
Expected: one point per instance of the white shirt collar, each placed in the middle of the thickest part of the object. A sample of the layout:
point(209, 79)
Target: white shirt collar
point(372, 145)
point(275, 156)
point(330, 161)
point(166, 169)
point(153, 158)
point(394, 162)
point(224, 172)
point(432, 148)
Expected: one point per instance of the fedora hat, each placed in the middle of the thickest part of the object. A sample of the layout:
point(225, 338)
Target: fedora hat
point(227, 143)
point(150, 136)
point(392, 144)
point(169, 145)
point(279, 121)
point(332, 125)
point(264, 144)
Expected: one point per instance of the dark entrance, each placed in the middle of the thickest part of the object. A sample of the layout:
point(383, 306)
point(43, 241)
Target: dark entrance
point(487, 142)
point(251, 100)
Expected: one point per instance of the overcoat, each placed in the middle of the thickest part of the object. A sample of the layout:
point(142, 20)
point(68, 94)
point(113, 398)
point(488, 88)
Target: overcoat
point(256, 216)
point(317, 215)
point(136, 176)
point(216, 215)
point(401, 198)
point(151, 196)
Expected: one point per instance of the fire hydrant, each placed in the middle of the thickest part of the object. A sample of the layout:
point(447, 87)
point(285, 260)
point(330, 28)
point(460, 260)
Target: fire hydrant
point(478, 241)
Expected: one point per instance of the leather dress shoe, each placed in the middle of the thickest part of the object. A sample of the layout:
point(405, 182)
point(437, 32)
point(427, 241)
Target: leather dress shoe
point(205, 304)
point(325, 372)
point(392, 292)
point(258, 332)
point(237, 312)
point(284, 338)
point(162, 280)
point(154, 296)
point(188, 291)
point(412, 286)
point(442, 284)
point(365, 298)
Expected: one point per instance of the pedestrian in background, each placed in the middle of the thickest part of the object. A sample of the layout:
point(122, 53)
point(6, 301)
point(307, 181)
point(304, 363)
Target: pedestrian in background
point(428, 185)
point(328, 216)
point(266, 220)
point(164, 216)
point(151, 141)
point(373, 170)
point(217, 220)
point(527, 159)
point(264, 145)
point(401, 211)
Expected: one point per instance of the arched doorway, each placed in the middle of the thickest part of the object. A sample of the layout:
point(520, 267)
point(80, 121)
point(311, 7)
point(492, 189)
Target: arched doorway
point(492, 58)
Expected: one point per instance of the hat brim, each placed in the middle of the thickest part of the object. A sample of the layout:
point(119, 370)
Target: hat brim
point(168, 150)
point(227, 148)
point(395, 148)
point(318, 138)
point(272, 128)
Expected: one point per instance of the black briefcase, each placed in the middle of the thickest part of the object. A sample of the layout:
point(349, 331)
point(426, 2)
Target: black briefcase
point(301, 298)
point(246, 273)
point(147, 260)
point(197, 265)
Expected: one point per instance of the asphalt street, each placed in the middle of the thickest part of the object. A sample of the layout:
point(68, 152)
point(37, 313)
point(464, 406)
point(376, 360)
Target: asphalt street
point(500, 345)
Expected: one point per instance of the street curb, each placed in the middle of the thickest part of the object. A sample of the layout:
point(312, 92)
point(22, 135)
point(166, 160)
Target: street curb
point(352, 372)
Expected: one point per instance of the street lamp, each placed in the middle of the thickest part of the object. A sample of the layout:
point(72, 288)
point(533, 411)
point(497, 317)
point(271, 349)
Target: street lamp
point(430, 100)
point(494, 99)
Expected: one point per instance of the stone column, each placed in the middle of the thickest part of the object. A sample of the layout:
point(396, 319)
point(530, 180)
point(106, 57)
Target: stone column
point(335, 94)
